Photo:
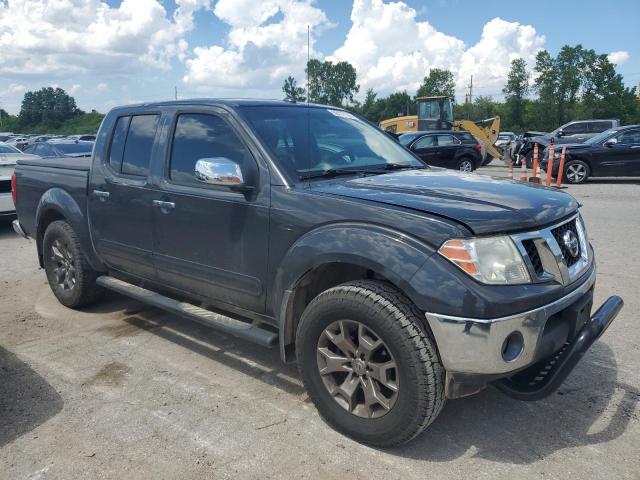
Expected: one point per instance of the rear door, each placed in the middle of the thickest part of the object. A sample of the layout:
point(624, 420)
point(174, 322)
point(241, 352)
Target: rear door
point(211, 240)
point(448, 145)
point(121, 196)
point(427, 149)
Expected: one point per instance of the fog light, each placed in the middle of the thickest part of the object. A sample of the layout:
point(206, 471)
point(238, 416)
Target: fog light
point(512, 346)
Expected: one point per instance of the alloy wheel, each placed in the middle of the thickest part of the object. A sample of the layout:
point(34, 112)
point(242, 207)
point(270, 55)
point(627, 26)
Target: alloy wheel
point(64, 269)
point(576, 173)
point(357, 369)
point(466, 166)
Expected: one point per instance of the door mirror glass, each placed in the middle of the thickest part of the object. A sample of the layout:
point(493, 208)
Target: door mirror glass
point(219, 171)
point(611, 142)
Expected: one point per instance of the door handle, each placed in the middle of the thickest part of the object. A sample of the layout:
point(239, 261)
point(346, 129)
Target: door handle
point(164, 205)
point(101, 195)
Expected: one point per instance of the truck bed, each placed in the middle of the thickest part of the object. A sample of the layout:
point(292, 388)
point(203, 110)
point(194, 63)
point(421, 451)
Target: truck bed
point(77, 163)
point(61, 179)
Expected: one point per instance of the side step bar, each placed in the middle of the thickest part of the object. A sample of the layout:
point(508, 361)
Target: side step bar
point(219, 322)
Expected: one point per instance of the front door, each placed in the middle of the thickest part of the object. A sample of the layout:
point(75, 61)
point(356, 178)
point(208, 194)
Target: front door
point(621, 159)
point(427, 149)
point(211, 240)
point(121, 199)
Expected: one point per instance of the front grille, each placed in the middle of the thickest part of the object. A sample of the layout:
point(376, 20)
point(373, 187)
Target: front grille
point(559, 233)
point(5, 186)
point(532, 251)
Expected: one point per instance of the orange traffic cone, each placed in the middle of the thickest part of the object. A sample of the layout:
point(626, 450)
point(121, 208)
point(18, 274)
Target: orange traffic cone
point(510, 176)
point(535, 178)
point(550, 164)
point(561, 167)
point(524, 173)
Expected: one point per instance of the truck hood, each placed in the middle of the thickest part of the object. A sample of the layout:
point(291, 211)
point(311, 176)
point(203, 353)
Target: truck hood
point(483, 204)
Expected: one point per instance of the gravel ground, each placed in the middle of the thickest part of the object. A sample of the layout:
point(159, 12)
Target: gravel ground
point(120, 390)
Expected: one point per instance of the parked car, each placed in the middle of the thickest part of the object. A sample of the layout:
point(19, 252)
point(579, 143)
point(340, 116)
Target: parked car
point(393, 284)
point(445, 148)
point(18, 142)
point(504, 138)
point(81, 138)
point(60, 149)
point(578, 131)
point(613, 153)
point(9, 155)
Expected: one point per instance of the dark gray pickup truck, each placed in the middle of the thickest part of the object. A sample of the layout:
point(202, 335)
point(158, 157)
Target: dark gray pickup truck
point(395, 285)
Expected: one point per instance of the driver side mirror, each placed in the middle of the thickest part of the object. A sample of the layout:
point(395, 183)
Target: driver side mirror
point(611, 142)
point(220, 171)
point(560, 133)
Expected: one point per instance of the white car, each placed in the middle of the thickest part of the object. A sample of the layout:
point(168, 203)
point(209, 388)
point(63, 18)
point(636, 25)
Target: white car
point(9, 155)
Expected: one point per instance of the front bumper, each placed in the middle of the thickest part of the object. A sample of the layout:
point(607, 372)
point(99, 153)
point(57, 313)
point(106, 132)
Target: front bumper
point(475, 352)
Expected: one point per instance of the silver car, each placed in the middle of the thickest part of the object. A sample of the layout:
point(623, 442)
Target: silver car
point(9, 155)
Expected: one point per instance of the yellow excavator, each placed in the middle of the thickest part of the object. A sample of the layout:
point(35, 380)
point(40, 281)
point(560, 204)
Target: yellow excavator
point(436, 113)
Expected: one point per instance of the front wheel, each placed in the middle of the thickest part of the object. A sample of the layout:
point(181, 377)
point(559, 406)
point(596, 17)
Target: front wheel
point(576, 171)
point(369, 364)
point(465, 164)
point(70, 276)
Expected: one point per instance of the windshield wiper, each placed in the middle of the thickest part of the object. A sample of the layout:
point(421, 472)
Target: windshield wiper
point(333, 172)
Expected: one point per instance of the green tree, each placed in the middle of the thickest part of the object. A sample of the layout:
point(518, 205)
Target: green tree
point(437, 82)
point(292, 91)
point(546, 81)
point(48, 107)
point(515, 92)
point(332, 84)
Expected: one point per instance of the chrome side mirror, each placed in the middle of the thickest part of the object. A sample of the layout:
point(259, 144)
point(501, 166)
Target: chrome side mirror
point(219, 171)
point(611, 142)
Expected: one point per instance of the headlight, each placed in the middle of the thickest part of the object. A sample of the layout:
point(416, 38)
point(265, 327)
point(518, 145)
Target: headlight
point(493, 260)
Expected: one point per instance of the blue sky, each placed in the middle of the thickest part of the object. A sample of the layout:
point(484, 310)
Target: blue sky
point(138, 50)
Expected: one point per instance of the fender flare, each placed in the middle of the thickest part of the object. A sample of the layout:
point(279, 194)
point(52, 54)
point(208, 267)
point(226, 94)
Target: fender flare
point(63, 204)
point(389, 253)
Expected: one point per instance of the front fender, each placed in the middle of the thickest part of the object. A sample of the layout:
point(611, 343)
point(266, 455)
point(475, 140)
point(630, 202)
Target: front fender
point(389, 253)
point(57, 202)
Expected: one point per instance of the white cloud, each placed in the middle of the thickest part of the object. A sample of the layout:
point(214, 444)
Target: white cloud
point(392, 51)
point(13, 89)
point(102, 87)
point(62, 37)
point(75, 88)
point(619, 57)
point(267, 42)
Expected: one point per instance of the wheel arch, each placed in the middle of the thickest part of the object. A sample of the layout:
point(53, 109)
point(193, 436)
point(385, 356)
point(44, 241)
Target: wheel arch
point(57, 204)
point(336, 254)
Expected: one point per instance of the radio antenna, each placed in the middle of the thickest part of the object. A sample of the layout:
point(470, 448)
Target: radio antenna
point(308, 60)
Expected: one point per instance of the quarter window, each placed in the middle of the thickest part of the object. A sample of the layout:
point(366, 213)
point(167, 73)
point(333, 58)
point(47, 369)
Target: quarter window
point(138, 145)
point(200, 136)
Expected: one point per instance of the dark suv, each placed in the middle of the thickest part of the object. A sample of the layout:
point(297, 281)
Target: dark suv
point(444, 148)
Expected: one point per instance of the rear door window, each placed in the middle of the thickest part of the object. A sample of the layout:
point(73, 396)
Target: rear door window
point(597, 127)
point(138, 145)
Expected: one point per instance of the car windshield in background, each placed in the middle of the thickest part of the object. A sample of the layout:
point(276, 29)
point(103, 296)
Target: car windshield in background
point(74, 148)
point(311, 140)
point(8, 149)
point(601, 137)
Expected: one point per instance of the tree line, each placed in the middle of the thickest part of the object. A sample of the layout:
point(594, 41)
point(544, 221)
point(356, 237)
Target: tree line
point(50, 110)
point(576, 84)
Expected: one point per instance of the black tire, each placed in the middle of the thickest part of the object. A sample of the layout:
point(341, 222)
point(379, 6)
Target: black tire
point(576, 172)
point(397, 322)
point(76, 287)
point(466, 164)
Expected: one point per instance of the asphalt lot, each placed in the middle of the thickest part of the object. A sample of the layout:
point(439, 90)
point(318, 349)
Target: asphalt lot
point(120, 390)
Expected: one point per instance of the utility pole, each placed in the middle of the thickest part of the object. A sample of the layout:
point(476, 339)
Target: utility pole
point(175, 90)
point(308, 59)
point(471, 90)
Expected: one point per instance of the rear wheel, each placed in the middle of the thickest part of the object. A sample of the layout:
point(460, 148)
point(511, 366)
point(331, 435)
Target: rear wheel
point(576, 171)
point(70, 276)
point(466, 164)
point(369, 364)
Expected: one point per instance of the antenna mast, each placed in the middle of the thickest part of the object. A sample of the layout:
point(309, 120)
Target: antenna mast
point(308, 59)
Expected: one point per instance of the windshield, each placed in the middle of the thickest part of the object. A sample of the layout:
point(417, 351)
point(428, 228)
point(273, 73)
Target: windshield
point(601, 137)
point(312, 140)
point(8, 149)
point(67, 148)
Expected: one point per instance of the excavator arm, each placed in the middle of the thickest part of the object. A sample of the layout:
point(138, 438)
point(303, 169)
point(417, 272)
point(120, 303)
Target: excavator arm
point(485, 131)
